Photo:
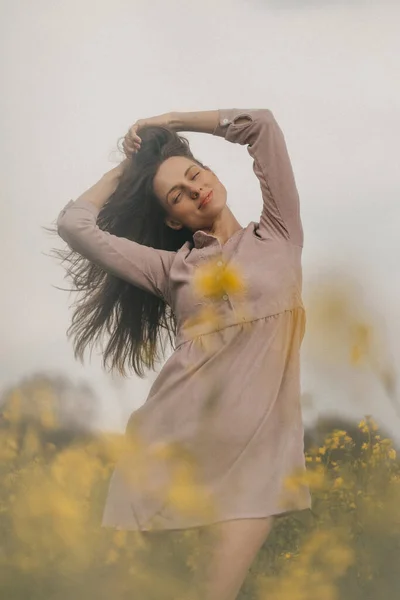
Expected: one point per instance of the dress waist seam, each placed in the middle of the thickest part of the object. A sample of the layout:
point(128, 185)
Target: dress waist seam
point(281, 312)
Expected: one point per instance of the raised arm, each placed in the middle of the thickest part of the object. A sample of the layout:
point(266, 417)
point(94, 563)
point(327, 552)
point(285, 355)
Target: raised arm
point(259, 130)
point(147, 268)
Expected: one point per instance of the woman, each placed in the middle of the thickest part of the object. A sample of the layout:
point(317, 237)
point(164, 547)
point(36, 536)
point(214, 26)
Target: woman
point(229, 395)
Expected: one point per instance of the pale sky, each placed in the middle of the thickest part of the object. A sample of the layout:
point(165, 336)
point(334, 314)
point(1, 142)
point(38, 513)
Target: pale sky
point(76, 75)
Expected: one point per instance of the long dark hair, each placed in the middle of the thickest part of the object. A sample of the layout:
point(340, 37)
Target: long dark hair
point(136, 324)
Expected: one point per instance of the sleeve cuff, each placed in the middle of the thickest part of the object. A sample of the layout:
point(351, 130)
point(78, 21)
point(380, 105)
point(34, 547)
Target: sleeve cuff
point(226, 117)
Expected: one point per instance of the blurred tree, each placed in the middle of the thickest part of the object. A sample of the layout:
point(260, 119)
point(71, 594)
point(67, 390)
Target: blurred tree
point(52, 401)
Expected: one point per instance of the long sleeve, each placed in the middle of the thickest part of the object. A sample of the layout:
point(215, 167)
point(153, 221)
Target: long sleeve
point(259, 130)
point(147, 268)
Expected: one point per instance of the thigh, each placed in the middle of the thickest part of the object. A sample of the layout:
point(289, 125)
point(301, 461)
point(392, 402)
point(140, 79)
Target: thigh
point(232, 547)
point(243, 536)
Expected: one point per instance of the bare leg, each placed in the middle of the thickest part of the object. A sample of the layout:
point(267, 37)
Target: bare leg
point(233, 551)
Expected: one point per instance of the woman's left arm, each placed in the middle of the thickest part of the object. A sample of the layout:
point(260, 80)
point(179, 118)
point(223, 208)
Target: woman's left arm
point(202, 122)
point(266, 144)
point(258, 129)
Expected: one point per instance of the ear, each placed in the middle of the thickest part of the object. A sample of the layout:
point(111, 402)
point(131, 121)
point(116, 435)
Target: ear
point(173, 224)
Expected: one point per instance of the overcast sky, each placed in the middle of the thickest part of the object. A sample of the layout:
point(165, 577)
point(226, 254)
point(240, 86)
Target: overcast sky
point(76, 75)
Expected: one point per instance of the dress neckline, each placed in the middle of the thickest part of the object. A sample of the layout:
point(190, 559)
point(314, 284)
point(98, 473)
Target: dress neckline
point(202, 239)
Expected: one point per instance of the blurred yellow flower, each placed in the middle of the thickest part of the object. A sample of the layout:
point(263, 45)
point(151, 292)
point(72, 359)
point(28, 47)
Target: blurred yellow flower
point(361, 343)
point(216, 278)
point(185, 493)
point(49, 509)
point(120, 538)
point(204, 321)
point(112, 557)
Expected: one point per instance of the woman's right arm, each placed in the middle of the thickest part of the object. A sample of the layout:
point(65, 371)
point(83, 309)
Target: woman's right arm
point(145, 267)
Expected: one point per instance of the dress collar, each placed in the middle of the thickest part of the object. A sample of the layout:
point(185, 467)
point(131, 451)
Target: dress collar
point(201, 239)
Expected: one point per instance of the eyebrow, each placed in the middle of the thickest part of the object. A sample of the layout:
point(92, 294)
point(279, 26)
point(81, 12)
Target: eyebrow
point(174, 187)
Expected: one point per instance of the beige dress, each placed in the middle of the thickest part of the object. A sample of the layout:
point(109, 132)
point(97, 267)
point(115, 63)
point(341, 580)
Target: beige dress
point(222, 427)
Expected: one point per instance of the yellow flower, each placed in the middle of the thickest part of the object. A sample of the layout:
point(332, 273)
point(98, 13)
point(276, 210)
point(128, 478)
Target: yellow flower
point(341, 433)
point(112, 557)
point(216, 278)
point(204, 321)
point(392, 454)
point(361, 344)
point(119, 538)
point(315, 479)
point(186, 495)
point(292, 483)
point(355, 355)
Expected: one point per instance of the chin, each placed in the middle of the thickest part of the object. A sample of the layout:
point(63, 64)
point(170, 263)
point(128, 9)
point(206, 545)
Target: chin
point(218, 206)
point(213, 212)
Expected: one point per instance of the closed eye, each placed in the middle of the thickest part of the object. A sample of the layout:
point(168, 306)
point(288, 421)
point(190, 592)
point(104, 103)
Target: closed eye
point(175, 200)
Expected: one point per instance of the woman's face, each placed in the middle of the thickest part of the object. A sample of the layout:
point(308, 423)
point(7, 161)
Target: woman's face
point(192, 195)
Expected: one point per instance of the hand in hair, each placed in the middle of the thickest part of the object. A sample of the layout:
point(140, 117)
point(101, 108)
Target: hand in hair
point(132, 141)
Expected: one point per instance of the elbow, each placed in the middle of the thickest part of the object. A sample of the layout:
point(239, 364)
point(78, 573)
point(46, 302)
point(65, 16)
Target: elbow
point(260, 123)
point(63, 225)
point(266, 117)
point(69, 229)
point(63, 228)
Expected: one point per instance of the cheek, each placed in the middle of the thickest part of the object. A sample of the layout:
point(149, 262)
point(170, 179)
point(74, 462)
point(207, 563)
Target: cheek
point(218, 185)
point(221, 191)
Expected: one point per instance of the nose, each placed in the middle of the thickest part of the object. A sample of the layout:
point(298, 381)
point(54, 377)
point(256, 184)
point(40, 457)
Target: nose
point(195, 192)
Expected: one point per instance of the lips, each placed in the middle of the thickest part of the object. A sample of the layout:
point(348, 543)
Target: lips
point(206, 200)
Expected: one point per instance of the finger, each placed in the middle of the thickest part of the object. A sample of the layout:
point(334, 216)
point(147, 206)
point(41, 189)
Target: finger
point(133, 144)
point(135, 138)
point(128, 150)
point(133, 132)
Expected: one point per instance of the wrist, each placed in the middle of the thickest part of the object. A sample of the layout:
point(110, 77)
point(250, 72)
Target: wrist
point(175, 121)
point(200, 122)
